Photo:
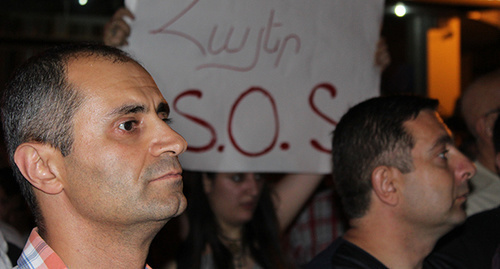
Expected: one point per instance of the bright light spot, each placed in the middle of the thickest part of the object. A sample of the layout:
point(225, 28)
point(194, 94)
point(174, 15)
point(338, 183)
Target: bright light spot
point(400, 10)
point(82, 2)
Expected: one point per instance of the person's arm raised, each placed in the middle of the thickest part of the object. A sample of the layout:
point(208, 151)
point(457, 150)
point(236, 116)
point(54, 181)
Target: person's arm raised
point(292, 191)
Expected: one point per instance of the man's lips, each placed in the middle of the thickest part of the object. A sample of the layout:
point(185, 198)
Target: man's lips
point(463, 196)
point(172, 175)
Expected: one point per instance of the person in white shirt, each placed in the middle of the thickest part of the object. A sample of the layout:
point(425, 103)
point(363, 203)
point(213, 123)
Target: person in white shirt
point(480, 108)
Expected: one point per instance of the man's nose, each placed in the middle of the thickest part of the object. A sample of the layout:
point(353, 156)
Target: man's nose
point(465, 169)
point(166, 140)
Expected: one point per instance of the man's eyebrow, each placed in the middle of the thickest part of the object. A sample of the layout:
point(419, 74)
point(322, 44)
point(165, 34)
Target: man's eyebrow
point(443, 140)
point(128, 109)
point(163, 108)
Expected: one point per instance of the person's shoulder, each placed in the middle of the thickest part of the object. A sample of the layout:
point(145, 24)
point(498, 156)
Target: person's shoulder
point(490, 214)
point(342, 254)
point(442, 261)
point(324, 258)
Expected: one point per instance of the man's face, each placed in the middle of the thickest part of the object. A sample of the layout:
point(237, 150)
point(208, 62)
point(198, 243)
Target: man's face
point(436, 190)
point(123, 167)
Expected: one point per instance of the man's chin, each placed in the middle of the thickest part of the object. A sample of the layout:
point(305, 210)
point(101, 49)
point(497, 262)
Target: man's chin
point(459, 217)
point(182, 204)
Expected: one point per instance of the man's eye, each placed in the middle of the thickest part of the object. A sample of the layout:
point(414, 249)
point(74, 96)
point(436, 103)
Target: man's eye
point(127, 126)
point(444, 155)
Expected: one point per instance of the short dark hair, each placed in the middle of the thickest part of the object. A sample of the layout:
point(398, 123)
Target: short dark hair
point(496, 135)
point(371, 134)
point(39, 103)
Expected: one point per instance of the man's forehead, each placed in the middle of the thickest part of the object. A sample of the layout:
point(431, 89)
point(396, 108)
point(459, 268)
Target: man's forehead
point(87, 70)
point(427, 121)
point(101, 77)
point(429, 131)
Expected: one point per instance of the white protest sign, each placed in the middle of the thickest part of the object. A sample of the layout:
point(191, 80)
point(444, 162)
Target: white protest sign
point(258, 85)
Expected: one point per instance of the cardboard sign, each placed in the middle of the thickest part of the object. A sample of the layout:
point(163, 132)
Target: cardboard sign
point(258, 85)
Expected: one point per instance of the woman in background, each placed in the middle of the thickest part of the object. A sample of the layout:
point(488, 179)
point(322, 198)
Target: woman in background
point(235, 220)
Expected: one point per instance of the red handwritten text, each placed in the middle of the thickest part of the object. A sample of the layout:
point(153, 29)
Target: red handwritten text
point(230, 125)
point(262, 40)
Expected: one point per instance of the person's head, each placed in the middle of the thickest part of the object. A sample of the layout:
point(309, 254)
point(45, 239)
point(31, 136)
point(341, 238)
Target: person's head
point(233, 197)
point(88, 122)
point(481, 106)
point(218, 201)
point(398, 149)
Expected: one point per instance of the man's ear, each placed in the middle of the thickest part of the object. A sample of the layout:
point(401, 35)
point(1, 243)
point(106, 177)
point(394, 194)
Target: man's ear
point(39, 165)
point(384, 185)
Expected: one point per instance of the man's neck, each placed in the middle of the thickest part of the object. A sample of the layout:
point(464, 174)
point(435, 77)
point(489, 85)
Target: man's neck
point(101, 246)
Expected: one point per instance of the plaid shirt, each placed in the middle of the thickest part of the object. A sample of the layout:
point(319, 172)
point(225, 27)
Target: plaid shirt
point(314, 229)
point(38, 255)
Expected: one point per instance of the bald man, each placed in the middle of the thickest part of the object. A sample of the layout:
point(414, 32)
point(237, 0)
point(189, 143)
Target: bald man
point(480, 108)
